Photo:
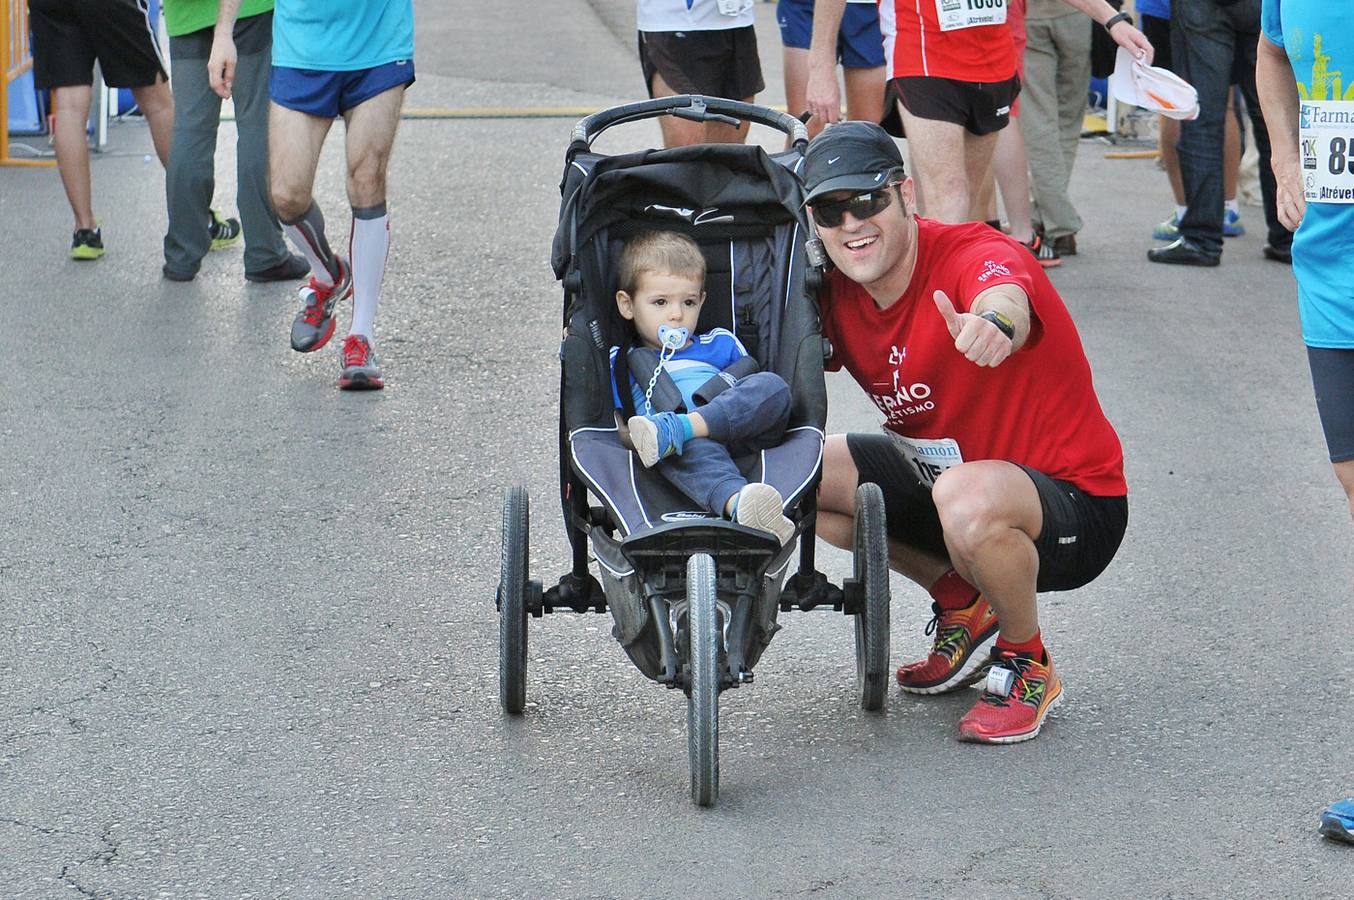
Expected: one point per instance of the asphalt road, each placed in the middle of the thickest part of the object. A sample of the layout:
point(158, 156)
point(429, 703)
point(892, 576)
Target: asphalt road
point(250, 642)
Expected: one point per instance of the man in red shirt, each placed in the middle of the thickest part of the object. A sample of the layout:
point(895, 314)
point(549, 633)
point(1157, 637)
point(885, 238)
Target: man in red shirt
point(1001, 475)
point(952, 66)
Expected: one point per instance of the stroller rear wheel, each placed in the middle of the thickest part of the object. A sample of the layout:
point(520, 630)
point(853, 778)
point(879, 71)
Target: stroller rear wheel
point(512, 602)
point(870, 564)
point(702, 708)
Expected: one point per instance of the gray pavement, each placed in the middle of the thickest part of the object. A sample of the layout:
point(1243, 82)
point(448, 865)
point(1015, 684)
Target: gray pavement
point(250, 641)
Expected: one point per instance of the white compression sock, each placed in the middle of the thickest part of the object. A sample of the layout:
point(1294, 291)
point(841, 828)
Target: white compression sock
point(371, 244)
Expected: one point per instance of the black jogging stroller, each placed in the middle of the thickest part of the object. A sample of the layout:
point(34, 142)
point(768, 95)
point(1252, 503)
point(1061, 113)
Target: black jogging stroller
point(693, 598)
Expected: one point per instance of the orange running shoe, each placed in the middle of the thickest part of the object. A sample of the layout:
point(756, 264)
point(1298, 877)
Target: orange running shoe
point(1032, 689)
point(963, 637)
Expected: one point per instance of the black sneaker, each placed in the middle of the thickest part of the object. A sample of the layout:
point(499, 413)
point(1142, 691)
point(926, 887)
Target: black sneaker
point(1183, 252)
point(224, 232)
point(293, 268)
point(1278, 254)
point(87, 243)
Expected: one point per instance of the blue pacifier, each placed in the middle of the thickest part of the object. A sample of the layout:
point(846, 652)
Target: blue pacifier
point(672, 337)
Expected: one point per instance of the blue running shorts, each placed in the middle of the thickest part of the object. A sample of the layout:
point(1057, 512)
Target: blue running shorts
point(327, 95)
point(859, 42)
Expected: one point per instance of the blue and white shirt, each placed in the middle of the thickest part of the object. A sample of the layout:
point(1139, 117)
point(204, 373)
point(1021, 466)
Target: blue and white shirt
point(1320, 46)
point(704, 358)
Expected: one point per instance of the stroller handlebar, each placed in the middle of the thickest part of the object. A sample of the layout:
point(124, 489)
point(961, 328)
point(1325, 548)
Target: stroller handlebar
point(696, 108)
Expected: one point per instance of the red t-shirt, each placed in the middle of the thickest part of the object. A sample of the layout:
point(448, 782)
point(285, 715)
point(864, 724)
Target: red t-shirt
point(915, 45)
point(1038, 408)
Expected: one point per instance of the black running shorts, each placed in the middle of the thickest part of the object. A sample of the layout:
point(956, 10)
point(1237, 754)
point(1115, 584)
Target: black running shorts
point(980, 107)
point(720, 63)
point(68, 35)
point(1158, 31)
point(1081, 532)
point(1333, 379)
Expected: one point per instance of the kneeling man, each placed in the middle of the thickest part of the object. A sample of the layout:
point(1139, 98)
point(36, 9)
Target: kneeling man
point(1001, 475)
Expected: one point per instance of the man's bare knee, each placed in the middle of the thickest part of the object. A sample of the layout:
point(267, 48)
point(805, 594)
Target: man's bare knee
point(289, 203)
point(367, 183)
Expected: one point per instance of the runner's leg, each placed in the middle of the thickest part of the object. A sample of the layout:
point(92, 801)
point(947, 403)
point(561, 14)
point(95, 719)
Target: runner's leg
point(939, 162)
point(371, 137)
point(70, 105)
point(294, 143)
point(991, 516)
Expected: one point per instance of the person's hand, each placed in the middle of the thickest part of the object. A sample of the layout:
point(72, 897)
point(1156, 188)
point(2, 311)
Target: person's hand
point(221, 66)
point(1134, 41)
point(1289, 196)
point(981, 341)
point(822, 97)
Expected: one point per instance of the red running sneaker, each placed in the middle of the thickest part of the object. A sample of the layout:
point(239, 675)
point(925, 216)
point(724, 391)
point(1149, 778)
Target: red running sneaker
point(361, 367)
point(314, 324)
point(963, 637)
point(1032, 689)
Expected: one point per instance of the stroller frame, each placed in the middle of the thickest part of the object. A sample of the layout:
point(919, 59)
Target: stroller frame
point(694, 600)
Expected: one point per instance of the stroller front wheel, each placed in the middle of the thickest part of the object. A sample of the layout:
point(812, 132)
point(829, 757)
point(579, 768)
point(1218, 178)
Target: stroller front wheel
point(702, 708)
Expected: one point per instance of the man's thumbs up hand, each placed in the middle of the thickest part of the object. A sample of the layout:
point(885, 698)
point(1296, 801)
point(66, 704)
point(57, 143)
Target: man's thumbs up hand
point(981, 341)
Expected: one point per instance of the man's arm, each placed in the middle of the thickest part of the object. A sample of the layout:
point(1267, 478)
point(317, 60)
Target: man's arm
point(822, 97)
point(1278, 91)
point(221, 63)
point(1123, 34)
point(982, 341)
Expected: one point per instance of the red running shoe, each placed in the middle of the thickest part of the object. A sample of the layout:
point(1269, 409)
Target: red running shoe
point(361, 366)
point(963, 637)
point(314, 324)
point(1033, 688)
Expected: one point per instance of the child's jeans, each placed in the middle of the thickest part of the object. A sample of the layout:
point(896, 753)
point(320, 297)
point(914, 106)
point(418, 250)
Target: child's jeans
point(747, 417)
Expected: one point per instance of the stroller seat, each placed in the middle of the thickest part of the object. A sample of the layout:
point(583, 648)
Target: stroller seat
point(638, 498)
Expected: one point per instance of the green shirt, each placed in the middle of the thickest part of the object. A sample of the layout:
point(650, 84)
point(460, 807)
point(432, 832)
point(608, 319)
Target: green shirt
point(186, 16)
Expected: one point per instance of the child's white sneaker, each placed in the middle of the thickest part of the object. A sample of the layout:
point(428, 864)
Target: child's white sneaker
point(760, 506)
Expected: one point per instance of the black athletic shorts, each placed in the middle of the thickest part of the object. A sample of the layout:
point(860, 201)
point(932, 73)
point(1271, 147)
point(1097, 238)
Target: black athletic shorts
point(1081, 532)
point(1333, 379)
point(981, 107)
point(1158, 31)
point(721, 63)
point(68, 35)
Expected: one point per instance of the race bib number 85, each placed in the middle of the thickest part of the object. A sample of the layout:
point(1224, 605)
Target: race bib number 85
point(1326, 138)
point(957, 14)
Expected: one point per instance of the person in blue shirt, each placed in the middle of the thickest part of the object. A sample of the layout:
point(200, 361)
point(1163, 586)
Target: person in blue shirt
point(662, 276)
point(1309, 108)
point(353, 59)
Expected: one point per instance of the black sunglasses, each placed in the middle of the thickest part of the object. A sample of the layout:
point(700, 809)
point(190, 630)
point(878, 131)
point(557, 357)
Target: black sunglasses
point(861, 206)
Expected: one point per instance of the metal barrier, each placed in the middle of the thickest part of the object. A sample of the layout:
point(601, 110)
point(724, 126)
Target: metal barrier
point(16, 58)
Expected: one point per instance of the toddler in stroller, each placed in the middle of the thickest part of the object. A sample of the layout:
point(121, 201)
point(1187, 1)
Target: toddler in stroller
point(691, 552)
point(729, 406)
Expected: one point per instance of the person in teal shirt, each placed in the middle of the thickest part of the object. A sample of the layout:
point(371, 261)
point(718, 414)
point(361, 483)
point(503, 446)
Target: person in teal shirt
point(190, 177)
point(352, 59)
point(1306, 54)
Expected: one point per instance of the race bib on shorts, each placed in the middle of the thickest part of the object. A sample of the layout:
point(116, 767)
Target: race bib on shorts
point(928, 457)
point(1326, 136)
point(957, 14)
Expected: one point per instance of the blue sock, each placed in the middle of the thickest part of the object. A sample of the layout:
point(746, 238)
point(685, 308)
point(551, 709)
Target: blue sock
point(687, 434)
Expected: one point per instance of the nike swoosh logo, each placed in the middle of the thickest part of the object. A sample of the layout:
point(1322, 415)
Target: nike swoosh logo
point(833, 160)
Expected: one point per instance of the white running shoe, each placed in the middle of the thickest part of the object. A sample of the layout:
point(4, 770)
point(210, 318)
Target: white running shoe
point(760, 506)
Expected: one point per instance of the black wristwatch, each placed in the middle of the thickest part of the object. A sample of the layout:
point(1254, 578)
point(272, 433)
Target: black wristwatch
point(1116, 19)
point(1003, 322)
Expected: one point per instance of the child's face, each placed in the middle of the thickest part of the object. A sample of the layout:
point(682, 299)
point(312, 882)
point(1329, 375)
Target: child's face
point(662, 299)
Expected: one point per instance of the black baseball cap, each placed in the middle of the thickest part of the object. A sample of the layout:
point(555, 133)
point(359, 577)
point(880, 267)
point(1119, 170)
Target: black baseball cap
point(849, 156)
